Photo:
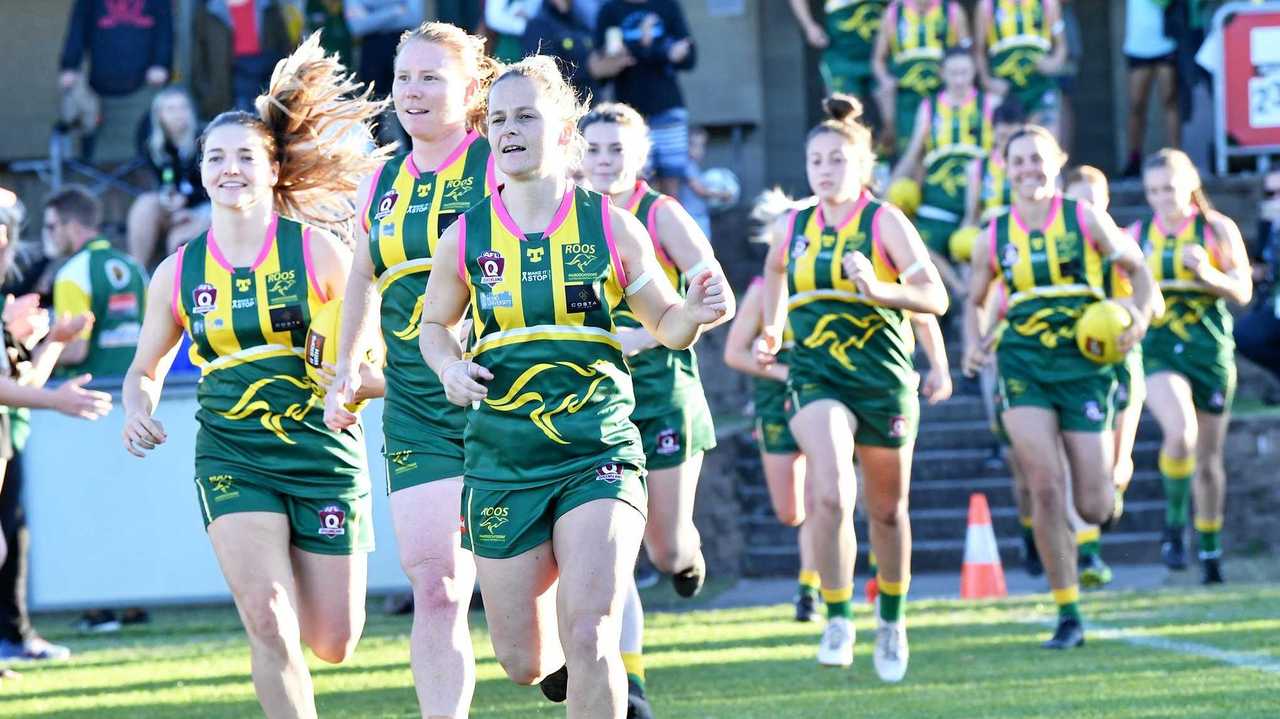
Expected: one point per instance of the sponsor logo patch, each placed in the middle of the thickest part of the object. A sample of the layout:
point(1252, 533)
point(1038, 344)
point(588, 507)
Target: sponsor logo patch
point(491, 266)
point(385, 205)
point(204, 299)
point(333, 521)
point(611, 473)
point(668, 441)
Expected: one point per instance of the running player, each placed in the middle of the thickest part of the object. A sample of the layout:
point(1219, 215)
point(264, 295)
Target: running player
point(284, 499)
point(780, 456)
point(671, 410)
point(953, 130)
point(1199, 259)
point(1021, 47)
point(440, 75)
point(1047, 253)
point(1087, 184)
point(907, 59)
point(849, 275)
point(846, 38)
point(554, 497)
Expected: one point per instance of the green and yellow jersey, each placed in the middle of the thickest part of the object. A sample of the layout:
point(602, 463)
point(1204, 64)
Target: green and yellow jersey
point(1018, 37)
point(959, 133)
point(1050, 274)
point(662, 377)
point(996, 194)
point(847, 341)
point(405, 213)
point(543, 310)
point(111, 286)
point(1192, 315)
point(851, 27)
point(917, 41)
point(248, 326)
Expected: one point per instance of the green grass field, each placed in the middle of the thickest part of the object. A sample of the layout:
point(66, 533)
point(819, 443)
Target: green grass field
point(968, 660)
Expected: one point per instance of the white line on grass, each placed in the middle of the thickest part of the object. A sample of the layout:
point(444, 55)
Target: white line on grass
point(1244, 660)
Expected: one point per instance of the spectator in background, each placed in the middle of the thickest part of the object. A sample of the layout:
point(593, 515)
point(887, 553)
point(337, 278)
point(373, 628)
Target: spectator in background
point(328, 17)
point(237, 44)
point(179, 209)
point(1067, 75)
point(130, 50)
point(378, 25)
point(507, 19)
point(1151, 57)
point(98, 280)
point(640, 45)
point(587, 11)
point(30, 350)
point(1257, 332)
point(693, 193)
point(557, 30)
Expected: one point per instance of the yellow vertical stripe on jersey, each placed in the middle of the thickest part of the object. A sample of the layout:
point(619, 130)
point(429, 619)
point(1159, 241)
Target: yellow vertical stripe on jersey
point(270, 265)
point(1024, 275)
point(512, 251)
point(805, 274)
point(1005, 23)
point(391, 247)
point(1051, 232)
point(566, 233)
point(218, 327)
point(838, 280)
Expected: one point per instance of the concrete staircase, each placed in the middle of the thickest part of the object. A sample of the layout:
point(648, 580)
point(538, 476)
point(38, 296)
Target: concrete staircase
point(956, 455)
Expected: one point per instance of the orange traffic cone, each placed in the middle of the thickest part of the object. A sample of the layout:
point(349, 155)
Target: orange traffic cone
point(981, 576)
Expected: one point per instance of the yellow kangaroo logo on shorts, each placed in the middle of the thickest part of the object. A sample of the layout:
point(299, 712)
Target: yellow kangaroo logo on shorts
point(1182, 313)
point(414, 328)
point(1042, 321)
point(950, 176)
point(921, 78)
point(865, 21)
point(542, 416)
point(248, 404)
point(823, 333)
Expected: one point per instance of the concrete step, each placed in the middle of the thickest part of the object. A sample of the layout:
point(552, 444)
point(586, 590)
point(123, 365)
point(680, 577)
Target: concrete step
point(1118, 549)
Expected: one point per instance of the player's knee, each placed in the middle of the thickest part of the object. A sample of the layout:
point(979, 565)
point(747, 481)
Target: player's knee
point(435, 589)
point(335, 645)
point(265, 615)
point(521, 664)
point(1097, 508)
point(792, 516)
point(587, 637)
point(834, 500)
point(1046, 491)
point(888, 514)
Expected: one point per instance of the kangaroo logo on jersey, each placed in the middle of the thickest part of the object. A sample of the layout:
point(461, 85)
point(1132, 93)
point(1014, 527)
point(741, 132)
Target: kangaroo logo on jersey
point(579, 262)
point(492, 519)
point(250, 404)
point(386, 205)
point(457, 194)
point(544, 410)
point(332, 519)
point(204, 298)
point(491, 266)
point(863, 329)
point(280, 286)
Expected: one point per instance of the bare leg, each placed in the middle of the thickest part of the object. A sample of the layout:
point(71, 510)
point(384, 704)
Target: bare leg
point(520, 606)
point(146, 222)
point(670, 536)
point(824, 430)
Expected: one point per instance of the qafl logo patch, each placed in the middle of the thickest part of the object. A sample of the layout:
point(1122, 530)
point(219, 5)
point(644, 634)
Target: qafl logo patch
point(385, 205)
point(333, 521)
point(491, 266)
point(204, 299)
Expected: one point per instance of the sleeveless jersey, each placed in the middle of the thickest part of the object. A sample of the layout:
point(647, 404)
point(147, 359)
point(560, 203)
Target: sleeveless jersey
point(851, 27)
point(1017, 39)
point(406, 212)
point(248, 327)
point(662, 377)
point(995, 196)
point(841, 338)
point(113, 287)
point(917, 41)
point(543, 307)
point(958, 135)
point(1050, 275)
point(1191, 315)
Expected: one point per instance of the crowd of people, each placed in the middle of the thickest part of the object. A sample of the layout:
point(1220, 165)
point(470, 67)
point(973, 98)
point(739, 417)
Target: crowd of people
point(540, 382)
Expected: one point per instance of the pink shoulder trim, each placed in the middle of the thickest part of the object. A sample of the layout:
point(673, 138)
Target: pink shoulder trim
point(608, 240)
point(368, 201)
point(462, 247)
point(177, 284)
point(311, 266)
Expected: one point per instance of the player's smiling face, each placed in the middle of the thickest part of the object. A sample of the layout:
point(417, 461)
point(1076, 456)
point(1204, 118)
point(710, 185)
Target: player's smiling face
point(529, 134)
point(235, 168)
point(615, 155)
point(1034, 164)
point(1168, 194)
point(832, 167)
point(430, 89)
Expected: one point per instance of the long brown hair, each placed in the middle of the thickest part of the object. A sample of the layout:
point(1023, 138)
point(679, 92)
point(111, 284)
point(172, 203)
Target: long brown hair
point(469, 49)
point(315, 123)
point(1178, 162)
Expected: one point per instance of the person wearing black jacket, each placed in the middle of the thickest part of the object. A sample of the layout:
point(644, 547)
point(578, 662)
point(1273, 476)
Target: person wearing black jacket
point(1257, 332)
point(130, 50)
point(655, 44)
point(559, 31)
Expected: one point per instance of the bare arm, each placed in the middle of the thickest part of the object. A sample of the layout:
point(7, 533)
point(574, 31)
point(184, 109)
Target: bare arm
point(157, 345)
point(1234, 281)
point(981, 278)
point(920, 289)
point(446, 301)
point(74, 352)
point(973, 194)
point(360, 303)
point(1057, 57)
point(937, 384)
point(880, 56)
point(909, 165)
point(813, 32)
point(774, 299)
point(739, 346)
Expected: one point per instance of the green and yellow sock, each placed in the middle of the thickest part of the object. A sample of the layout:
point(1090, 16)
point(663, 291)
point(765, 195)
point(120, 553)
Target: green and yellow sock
point(1028, 534)
point(1210, 534)
point(1176, 475)
point(810, 583)
point(1068, 601)
point(839, 602)
point(634, 664)
point(1089, 541)
point(893, 598)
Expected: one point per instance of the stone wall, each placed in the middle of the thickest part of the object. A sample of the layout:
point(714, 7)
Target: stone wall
point(1253, 485)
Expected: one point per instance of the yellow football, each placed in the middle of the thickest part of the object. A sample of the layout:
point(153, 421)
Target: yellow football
point(322, 346)
point(1098, 331)
point(905, 193)
point(961, 243)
